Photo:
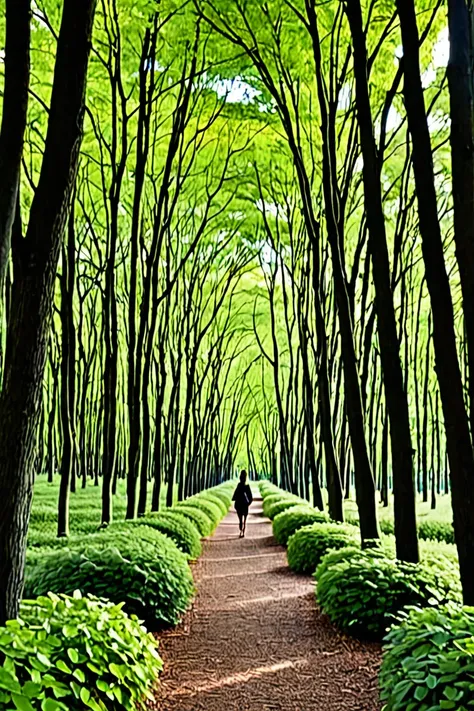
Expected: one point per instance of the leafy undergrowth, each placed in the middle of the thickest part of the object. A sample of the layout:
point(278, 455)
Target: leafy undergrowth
point(289, 521)
point(140, 565)
point(76, 653)
point(152, 577)
point(428, 662)
point(364, 592)
point(309, 544)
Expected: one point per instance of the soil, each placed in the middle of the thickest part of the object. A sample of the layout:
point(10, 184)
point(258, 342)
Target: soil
point(255, 639)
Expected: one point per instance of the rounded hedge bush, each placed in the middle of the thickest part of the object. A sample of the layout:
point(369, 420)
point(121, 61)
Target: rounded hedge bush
point(309, 544)
point(273, 498)
point(225, 497)
point(288, 522)
point(180, 529)
point(152, 579)
point(363, 592)
point(69, 654)
point(211, 510)
point(268, 489)
point(196, 516)
point(284, 505)
point(207, 496)
point(428, 661)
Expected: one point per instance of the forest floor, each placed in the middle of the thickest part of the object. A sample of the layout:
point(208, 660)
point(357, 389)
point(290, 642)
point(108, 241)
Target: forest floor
point(255, 639)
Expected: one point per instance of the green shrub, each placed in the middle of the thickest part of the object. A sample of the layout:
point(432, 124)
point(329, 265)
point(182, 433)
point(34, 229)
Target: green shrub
point(225, 497)
point(179, 528)
point(363, 592)
point(268, 489)
point(428, 661)
point(216, 500)
point(151, 577)
point(211, 510)
point(283, 505)
point(198, 517)
point(288, 522)
point(69, 654)
point(273, 499)
point(309, 544)
point(436, 531)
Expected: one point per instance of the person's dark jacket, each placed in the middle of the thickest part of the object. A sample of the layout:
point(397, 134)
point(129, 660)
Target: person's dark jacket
point(242, 497)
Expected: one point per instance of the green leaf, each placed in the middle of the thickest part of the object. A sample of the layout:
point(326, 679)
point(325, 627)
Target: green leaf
point(62, 666)
point(73, 654)
point(421, 692)
point(31, 689)
point(8, 682)
point(22, 703)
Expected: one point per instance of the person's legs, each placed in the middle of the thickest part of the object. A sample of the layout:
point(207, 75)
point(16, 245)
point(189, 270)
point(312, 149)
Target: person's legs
point(244, 522)
point(239, 514)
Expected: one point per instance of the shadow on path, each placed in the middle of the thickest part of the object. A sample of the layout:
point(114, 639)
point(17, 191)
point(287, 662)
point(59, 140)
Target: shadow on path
point(255, 639)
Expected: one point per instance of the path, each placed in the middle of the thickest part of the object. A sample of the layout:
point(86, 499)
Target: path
point(255, 640)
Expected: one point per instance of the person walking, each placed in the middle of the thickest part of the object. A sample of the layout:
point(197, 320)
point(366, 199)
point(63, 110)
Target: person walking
point(243, 498)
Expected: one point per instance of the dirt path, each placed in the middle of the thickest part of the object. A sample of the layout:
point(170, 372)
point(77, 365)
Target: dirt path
point(255, 640)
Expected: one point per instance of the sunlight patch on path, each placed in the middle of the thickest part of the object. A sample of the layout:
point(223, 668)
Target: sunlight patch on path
point(241, 678)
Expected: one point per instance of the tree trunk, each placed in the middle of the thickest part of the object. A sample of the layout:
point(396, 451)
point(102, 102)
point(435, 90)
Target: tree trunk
point(32, 297)
point(461, 93)
point(461, 459)
point(68, 380)
point(396, 398)
point(364, 478)
point(15, 105)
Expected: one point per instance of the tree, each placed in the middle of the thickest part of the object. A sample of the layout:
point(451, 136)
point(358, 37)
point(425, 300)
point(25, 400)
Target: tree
point(459, 445)
point(395, 394)
point(35, 258)
point(15, 104)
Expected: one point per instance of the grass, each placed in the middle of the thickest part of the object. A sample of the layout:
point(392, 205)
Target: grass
point(85, 505)
point(424, 512)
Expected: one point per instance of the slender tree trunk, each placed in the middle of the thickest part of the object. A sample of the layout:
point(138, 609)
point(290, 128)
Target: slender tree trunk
point(35, 272)
point(396, 398)
point(461, 458)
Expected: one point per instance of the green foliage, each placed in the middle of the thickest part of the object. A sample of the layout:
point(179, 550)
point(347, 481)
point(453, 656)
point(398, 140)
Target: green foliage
point(211, 510)
point(428, 662)
point(176, 526)
point(43, 514)
point(198, 517)
point(216, 500)
point(283, 505)
point(436, 531)
point(287, 522)
point(223, 495)
point(266, 489)
point(428, 529)
point(151, 577)
point(273, 498)
point(44, 540)
point(71, 654)
point(387, 526)
point(309, 544)
point(363, 592)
